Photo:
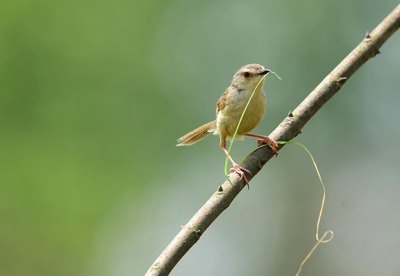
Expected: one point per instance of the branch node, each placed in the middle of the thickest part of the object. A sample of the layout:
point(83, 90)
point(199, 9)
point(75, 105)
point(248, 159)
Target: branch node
point(197, 233)
point(368, 39)
point(340, 81)
point(376, 52)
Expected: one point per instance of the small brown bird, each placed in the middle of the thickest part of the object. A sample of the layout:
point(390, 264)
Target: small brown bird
point(230, 107)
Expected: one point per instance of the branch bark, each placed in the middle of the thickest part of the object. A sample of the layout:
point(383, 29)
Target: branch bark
point(289, 128)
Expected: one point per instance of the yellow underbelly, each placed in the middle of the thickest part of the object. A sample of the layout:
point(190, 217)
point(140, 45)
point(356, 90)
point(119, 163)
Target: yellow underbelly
point(228, 119)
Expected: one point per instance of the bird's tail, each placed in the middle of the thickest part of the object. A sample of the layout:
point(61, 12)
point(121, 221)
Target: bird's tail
point(196, 135)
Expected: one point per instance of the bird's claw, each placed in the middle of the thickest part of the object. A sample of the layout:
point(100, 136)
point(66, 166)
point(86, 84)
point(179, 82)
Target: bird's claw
point(241, 172)
point(271, 143)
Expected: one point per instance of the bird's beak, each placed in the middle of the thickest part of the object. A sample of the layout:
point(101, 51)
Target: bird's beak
point(264, 72)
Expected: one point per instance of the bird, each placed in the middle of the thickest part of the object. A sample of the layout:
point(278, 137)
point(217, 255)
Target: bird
point(230, 106)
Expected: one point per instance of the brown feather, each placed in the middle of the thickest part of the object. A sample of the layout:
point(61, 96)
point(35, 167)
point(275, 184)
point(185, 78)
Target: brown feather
point(222, 101)
point(197, 134)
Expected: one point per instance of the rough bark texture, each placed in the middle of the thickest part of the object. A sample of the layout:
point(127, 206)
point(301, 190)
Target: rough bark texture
point(289, 128)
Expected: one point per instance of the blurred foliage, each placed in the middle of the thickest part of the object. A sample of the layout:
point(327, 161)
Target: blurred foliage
point(93, 95)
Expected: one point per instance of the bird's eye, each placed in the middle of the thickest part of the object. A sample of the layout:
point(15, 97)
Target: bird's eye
point(246, 74)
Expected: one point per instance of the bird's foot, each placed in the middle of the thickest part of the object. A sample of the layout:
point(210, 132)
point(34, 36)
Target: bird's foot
point(270, 142)
point(241, 172)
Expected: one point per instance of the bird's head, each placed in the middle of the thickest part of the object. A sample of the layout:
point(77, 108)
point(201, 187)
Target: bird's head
point(248, 76)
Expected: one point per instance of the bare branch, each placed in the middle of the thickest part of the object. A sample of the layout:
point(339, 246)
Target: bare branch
point(287, 130)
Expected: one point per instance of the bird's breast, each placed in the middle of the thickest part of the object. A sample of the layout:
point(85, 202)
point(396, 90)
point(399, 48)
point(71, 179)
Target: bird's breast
point(229, 117)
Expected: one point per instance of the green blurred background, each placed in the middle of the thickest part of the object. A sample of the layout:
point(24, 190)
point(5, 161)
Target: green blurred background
point(93, 95)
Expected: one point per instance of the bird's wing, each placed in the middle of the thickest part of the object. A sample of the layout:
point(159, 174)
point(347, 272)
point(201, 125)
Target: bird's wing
point(221, 103)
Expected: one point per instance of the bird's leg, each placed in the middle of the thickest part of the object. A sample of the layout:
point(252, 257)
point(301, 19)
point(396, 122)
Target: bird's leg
point(235, 166)
point(265, 139)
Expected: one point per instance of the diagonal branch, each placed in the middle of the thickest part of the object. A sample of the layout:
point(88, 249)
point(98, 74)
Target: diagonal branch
point(288, 129)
